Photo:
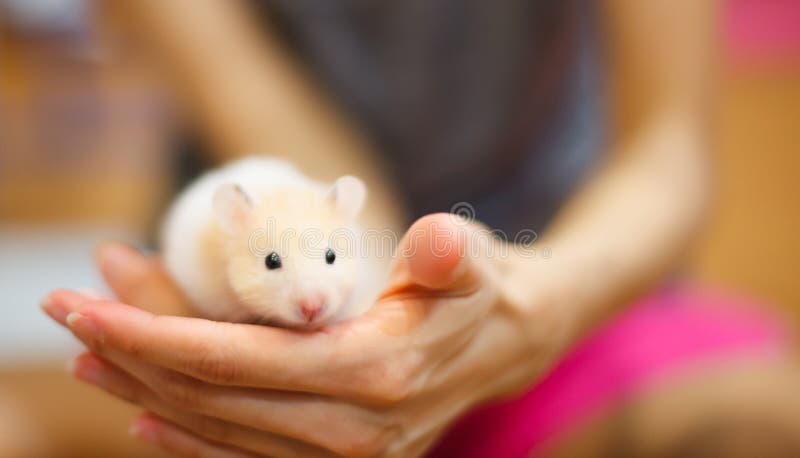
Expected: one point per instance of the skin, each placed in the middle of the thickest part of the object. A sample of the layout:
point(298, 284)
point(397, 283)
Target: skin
point(451, 329)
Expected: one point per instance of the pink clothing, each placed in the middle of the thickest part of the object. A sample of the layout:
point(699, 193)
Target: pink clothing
point(762, 32)
point(666, 333)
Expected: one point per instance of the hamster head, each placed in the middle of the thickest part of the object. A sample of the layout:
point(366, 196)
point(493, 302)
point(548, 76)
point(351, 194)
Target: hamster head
point(291, 254)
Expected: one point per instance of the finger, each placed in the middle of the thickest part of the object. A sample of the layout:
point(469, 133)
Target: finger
point(140, 280)
point(96, 371)
point(436, 255)
point(152, 429)
point(348, 362)
point(440, 269)
point(61, 302)
point(304, 417)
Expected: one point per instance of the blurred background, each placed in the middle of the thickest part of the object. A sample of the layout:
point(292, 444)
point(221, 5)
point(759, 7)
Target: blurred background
point(92, 149)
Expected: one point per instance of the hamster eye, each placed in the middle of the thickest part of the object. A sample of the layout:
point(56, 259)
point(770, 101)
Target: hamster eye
point(273, 261)
point(330, 256)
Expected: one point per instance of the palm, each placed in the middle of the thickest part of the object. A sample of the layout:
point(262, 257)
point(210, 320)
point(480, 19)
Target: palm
point(396, 376)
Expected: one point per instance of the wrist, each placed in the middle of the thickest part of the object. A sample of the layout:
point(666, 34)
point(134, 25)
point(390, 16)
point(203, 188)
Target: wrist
point(530, 307)
point(547, 295)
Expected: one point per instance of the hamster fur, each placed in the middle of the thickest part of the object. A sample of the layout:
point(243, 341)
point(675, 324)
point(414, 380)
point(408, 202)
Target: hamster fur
point(219, 232)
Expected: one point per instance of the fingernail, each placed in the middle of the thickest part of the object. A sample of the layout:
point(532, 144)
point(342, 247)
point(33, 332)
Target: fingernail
point(84, 327)
point(73, 318)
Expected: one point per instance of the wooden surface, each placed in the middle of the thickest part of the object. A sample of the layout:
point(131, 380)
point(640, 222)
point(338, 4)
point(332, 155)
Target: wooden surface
point(64, 418)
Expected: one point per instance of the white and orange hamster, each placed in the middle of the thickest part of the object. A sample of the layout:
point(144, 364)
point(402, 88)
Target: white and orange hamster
point(256, 241)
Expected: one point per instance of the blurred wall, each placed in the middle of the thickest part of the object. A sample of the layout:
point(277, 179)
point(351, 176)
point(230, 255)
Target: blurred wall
point(85, 155)
point(752, 243)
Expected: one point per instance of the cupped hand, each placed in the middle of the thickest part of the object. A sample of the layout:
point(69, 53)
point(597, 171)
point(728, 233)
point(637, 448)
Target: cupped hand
point(444, 335)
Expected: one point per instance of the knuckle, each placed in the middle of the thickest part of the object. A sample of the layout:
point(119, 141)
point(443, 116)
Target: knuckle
point(370, 444)
point(388, 383)
point(134, 346)
point(136, 396)
point(214, 429)
point(215, 365)
point(129, 394)
point(178, 390)
point(389, 394)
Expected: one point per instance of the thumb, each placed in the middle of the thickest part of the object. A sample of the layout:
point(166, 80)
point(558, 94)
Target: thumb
point(436, 254)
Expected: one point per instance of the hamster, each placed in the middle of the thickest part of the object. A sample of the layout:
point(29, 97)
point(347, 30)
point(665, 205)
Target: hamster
point(256, 241)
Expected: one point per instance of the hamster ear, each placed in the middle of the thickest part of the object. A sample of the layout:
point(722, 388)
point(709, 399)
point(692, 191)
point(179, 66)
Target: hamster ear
point(348, 194)
point(232, 207)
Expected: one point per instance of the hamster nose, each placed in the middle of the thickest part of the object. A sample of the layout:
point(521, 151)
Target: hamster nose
point(311, 306)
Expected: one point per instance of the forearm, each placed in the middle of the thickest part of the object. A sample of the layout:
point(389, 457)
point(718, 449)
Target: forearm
point(632, 222)
point(626, 229)
point(247, 95)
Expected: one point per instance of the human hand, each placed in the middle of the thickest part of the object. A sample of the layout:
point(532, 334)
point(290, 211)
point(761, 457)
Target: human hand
point(445, 335)
point(139, 280)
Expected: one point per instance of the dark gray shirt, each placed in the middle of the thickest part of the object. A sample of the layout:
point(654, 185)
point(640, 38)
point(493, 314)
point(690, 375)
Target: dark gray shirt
point(493, 103)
